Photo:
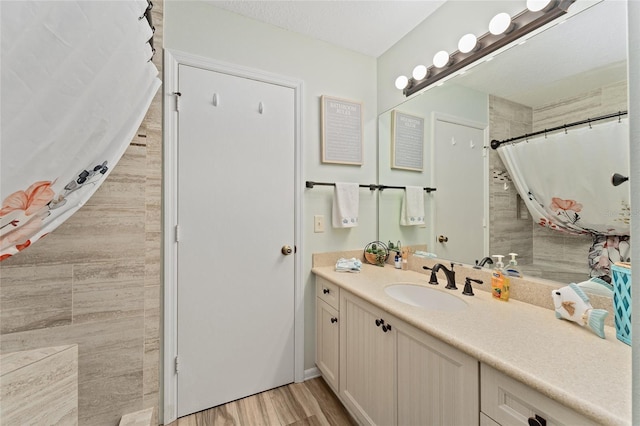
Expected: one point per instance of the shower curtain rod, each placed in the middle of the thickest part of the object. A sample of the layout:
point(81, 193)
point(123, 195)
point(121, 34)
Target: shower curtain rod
point(495, 144)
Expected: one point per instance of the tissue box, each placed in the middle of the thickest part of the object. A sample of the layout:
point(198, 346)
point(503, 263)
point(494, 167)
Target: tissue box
point(621, 276)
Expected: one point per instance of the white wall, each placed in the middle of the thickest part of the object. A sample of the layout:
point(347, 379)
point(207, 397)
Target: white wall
point(202, 29)
point(633, 14)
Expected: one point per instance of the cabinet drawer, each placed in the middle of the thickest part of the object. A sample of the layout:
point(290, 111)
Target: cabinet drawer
point(510, 402)
point(329, 292)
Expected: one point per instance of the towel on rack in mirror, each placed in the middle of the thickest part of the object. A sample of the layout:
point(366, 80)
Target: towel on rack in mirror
point(412, 210)
point(346, 203)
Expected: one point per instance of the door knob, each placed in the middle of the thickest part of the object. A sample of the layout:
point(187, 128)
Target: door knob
point(286, 250)
point(442, 239)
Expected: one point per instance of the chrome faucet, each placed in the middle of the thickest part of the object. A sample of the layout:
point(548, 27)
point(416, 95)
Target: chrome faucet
point(450, 274)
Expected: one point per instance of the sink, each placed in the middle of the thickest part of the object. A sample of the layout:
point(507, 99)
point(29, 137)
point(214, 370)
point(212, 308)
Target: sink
point(424, 297)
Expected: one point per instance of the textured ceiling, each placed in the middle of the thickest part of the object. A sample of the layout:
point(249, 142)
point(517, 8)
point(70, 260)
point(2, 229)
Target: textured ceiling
point(368, 27)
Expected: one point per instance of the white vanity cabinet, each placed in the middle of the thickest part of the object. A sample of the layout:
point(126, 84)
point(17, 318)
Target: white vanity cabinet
point(437, 384)
point(507, 402)
point(394, 374)
point(328, 331)
point(368, 361)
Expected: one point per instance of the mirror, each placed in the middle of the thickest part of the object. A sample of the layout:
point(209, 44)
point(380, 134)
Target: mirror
point(571, 71)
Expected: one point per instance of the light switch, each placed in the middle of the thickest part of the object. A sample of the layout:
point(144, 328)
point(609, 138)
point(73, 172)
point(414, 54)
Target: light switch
point(318, 223)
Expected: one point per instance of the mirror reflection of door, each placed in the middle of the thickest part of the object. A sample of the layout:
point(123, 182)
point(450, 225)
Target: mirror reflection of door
point(459, 210)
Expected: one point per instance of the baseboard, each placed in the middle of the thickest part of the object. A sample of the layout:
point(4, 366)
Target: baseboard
point(311, 373)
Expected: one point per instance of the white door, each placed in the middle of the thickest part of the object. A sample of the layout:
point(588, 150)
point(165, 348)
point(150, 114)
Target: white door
point(235, 213)
point(459, 203)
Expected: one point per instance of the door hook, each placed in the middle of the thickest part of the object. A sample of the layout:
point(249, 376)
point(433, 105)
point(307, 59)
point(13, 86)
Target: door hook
point(260, 107)
point(215, 99)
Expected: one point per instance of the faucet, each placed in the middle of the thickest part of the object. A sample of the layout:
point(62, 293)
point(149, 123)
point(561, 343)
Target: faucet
point(448, 273)
point(483, 262)
point(468, 290)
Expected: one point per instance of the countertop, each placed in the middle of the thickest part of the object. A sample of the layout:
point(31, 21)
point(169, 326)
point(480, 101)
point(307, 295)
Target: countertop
point(558, 358)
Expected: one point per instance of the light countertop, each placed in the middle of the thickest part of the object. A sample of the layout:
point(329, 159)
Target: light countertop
point(558, 358)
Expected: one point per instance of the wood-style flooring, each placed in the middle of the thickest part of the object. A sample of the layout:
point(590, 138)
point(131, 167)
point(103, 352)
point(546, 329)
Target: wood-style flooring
point(310, 403)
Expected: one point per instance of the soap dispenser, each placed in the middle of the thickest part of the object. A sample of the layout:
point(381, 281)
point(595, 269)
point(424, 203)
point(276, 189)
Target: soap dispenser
point(499, 280)
point(512, 267)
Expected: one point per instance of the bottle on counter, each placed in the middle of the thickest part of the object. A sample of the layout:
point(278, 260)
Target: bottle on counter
point(512, 267)
point(405, 259)
point(499, 280)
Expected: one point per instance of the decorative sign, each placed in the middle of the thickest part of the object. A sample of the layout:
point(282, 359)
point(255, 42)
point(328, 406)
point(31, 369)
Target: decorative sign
point(341, 131)
point(407, 141)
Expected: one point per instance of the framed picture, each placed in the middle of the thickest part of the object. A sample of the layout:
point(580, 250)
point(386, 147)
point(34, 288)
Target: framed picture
point(407, 142)
point(341, 131)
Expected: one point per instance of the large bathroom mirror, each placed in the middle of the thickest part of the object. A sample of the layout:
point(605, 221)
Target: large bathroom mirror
point(571, 71)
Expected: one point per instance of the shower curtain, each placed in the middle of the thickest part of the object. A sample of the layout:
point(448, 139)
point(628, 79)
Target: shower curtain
point(76, 82)
point(565, 180)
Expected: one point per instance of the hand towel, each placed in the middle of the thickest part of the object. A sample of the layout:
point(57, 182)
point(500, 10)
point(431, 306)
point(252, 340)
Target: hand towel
point(348, 265)
point(412, 211)
point(346, 203)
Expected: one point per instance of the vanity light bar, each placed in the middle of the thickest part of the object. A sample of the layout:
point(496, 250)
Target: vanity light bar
point(521, 24)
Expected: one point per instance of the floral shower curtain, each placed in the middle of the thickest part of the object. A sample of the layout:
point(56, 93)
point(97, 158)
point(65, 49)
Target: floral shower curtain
point(76, 82)
point(565, 180)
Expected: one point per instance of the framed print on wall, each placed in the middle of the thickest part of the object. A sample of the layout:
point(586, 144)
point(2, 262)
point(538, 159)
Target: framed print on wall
point(407, 141)
point(341, 131)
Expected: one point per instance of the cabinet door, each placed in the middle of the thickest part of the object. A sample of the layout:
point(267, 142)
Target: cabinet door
point(487, 421)
point(368, 362)
point(327, 341)
point(437, 384)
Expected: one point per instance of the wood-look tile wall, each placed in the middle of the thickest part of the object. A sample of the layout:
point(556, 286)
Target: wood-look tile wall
point(537, 245)
point(39, 387)
point(509, 233)
point(96, 281)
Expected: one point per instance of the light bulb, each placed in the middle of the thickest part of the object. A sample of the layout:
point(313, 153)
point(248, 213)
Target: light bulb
point(419, 72)
point(467, 43)
point(538, 5)
point(500, 23)
point(441, 59)
point(401, 82)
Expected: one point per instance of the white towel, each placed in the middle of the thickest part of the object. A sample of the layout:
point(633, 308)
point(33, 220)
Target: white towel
point(348, 265)
point(346, 203)
point(412, 211)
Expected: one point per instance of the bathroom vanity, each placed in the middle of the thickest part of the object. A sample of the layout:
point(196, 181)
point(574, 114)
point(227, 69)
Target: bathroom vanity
point(486, 362)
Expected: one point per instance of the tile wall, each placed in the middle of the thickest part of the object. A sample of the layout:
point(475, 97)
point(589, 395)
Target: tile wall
point(511, 227)
point(96, 281)
point(509, 231)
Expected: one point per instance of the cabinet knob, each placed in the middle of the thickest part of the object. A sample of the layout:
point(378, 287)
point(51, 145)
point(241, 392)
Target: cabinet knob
point(334, 320)
point(379, 322)
point(326, 291)
point(537, 421)
point(386, 327)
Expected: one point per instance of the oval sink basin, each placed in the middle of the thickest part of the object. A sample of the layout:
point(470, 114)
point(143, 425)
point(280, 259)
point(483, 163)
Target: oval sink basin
point(425, 297)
